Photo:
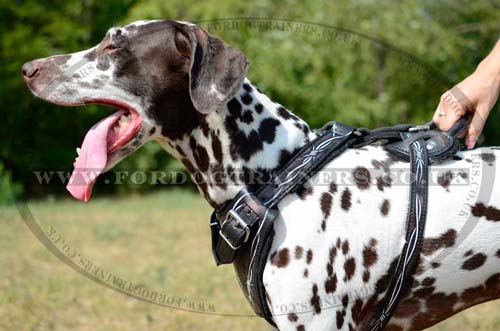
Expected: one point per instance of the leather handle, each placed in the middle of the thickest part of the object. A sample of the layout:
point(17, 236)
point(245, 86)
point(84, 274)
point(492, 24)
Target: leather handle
point(457, 128)
point(460, 125)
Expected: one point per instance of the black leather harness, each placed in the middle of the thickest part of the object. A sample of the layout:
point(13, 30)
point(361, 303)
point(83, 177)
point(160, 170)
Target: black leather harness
point(242, 230)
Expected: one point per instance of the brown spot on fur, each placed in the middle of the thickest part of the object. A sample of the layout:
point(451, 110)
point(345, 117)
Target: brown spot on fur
point(345, 301)
point(345, 200)
point(350, 268)
point(386, 164)
point(306, 273)
point(393, 327)
point(309, 256)
point(370, 255)
point(298, 252)
point(326, 204)
point(421, 319)
point(331, 260)
point(332, 188)
point(340, 320)
point(301, 328)
point(205, 129)
point(345, 247)
point(474, 262)
point(303, 192)
point(217, 148)
point(385, 207)
point(468, 253)
point(292, 317)
point(491, 213)
point(446, 239)
point(200, 155)
point(407, 308)
point(366, 276)
point(424, 292)
point(429, 281)
point(420, 267)
point(435, 302)
point(284, 113)
point(383, 181)
point(356, 310)
point(331, 284)
point(362, 178)
point(189, 166)
point(180, 151)
point(383, 282)
point(315, 300)
point(488, 290)
point(498, 254)
point(281, 259)
point(437, 311)
point(267, 129)
point(435, 265)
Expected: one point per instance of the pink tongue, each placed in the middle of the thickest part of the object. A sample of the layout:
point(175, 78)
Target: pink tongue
point(92, 159)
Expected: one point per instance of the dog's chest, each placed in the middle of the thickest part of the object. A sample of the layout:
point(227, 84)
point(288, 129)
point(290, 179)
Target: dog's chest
point(332, 239)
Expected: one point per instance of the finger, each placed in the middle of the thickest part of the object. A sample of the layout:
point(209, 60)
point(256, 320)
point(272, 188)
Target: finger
point(454, 110)
point(436, 118)
point(440, 113)
point(475, 128)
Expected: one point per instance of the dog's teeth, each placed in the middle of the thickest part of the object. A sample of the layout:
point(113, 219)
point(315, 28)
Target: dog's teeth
point(123, 119)
point(78, 150)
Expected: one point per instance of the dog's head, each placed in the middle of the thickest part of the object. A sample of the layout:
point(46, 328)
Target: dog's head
point(161, 75)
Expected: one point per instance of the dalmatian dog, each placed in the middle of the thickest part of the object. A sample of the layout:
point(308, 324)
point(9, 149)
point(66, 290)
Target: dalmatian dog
point(337, 239)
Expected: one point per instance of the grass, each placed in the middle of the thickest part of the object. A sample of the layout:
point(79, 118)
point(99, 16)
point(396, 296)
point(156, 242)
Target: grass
point(159, 241)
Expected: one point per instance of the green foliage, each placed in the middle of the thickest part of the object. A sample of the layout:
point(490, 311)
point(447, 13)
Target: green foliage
point(367, 63)
point(8, 189)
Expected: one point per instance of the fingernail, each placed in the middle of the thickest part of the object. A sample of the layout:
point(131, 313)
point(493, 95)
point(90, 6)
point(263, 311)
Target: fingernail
point(471, 141)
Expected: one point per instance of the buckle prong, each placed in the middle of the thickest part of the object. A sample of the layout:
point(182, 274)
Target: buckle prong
point(235, 216)
point(424, 127)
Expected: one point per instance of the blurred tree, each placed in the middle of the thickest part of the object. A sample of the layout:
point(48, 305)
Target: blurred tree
point(367, 63)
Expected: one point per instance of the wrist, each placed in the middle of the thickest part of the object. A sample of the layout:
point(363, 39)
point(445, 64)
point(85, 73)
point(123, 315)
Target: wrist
point(489, 69)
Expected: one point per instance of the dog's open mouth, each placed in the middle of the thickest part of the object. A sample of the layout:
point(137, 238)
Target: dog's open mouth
point(100, 142)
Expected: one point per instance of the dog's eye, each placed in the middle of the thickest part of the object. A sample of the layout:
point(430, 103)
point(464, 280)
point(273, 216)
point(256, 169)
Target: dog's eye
point(110, 48)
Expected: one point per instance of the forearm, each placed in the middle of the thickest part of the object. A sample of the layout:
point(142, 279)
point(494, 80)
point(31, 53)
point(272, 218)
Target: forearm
point(490, 66)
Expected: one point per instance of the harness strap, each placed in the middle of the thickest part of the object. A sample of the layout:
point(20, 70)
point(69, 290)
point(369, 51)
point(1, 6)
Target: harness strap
point(242, 230)
point(232, 224)
point(415, 225)
point(251, 215)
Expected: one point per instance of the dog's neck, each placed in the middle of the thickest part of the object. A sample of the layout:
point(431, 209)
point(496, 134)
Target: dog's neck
point(239, 145)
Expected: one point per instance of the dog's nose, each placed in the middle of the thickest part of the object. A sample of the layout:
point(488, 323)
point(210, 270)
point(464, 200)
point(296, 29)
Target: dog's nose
point(29, 70)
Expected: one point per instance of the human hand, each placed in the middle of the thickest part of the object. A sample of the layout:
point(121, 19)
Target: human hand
point(478, 93)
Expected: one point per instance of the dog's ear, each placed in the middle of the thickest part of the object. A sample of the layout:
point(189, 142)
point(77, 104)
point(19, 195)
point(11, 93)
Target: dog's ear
point(216, 70)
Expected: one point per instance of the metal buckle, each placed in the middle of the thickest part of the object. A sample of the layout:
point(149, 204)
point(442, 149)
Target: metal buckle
point(235, 216)
point(424, 127)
